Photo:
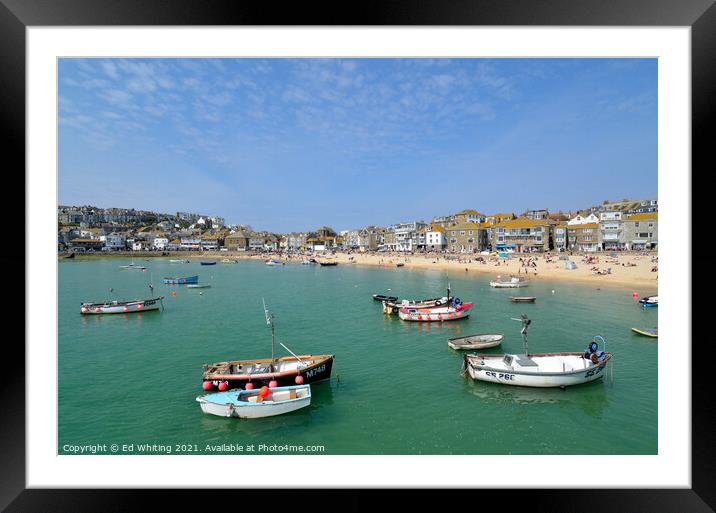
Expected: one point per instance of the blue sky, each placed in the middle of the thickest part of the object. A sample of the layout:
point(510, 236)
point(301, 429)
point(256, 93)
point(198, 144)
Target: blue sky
point(292, 144)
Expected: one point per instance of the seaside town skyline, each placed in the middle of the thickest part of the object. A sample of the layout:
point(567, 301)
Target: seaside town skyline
point(612, 225)
point(355, 141)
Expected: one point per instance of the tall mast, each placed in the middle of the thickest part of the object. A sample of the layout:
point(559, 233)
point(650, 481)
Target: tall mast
point(269, 321)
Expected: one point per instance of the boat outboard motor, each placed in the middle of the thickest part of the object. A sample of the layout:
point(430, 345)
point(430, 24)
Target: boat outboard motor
point(591, 349)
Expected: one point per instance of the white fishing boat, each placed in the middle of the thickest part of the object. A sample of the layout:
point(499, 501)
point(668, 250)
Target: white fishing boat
point(198, 286)
point(229, 261)
point(511, 283)
point(251, 404)
point(649, 301)
point(539, 370)
point(178, 261)
point(477, 341)
point(132, 266)
point(275, 262)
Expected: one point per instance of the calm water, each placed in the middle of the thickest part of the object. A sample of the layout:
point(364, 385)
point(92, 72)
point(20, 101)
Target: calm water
point(396, 387)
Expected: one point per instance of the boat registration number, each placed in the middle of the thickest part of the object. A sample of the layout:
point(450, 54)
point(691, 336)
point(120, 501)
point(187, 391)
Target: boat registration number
point(317, 370)
point(594, 371)
point(500, 375)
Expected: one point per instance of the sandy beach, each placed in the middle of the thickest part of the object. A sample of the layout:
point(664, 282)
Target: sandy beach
point(627, 269)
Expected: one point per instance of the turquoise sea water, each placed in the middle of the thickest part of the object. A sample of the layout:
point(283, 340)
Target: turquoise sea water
point(396, 387)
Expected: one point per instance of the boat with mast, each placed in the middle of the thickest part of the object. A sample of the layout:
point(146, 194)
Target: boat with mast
point(539, 370)
point(274, 372)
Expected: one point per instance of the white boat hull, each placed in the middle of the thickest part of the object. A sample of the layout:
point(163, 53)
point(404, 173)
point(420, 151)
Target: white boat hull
point(252, 410)
point(439, 314)
point(507, 284)
point(110, 308)
point(558, 370)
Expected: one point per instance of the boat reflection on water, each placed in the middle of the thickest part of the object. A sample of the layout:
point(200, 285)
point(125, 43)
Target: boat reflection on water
point(92, 320)
point(591, 398)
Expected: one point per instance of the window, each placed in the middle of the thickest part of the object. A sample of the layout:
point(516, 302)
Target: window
point(636, 224)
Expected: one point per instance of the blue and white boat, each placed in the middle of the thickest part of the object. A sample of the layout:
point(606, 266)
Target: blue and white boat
point(649, 301)
point(251, 404)
point(275, 262)
point(181, 281)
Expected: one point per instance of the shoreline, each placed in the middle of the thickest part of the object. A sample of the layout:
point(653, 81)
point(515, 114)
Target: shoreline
point(637, 273)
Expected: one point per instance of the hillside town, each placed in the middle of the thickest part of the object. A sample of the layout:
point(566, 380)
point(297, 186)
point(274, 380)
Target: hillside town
point(626, 225)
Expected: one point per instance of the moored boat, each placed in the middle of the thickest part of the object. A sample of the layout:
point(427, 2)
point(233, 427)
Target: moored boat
point(513, 282)
point(477, 341)
point(71, 255)
point(275, 262)
point(181, 281)
point(523, 299)
point(393, 307)
point(178, 261)
point(457, 310)
point(198, 286)
point(211, 262)
point(647, 332)
point(251, 404)
point(229, 261)
point(120, 307)
point(285, 371)
point(649, 301)
point(132, 266)
point(381, 297)
point(538, 370)
point(328, 264)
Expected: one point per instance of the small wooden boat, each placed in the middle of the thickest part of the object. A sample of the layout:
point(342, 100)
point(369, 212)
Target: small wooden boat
point(478, 341)
point(513, 282)
point(252, 404)
point(538, 370)
point(399, 265)
point(178, 261)
point(457, 310)
point(381, 297)
point(523, 299)
point(120, 307)
point(208, 263)
point(286, 371)
point(275, 262)
point(198, 286)
point(653, 332)
point(328, 264)
point(181, 281)
point(71, 255)
point(649, 301)
point(229, 261)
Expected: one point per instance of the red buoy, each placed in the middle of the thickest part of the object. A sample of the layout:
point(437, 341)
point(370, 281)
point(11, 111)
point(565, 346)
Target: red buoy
point(206, 385)
point(635, 295)
point(84, 309)
point(299, 380)
point(97, 309)
point(249, 386)
point(126, 309)
point(223, 386)
point(264, 391)
point(273, 383)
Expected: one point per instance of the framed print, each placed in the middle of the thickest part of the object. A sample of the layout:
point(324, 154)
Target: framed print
point(233, 187)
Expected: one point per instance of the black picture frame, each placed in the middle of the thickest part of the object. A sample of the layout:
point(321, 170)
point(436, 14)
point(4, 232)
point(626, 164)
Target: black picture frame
point(16, 15)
